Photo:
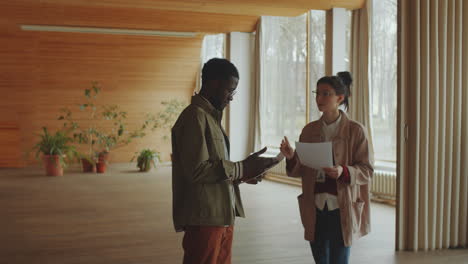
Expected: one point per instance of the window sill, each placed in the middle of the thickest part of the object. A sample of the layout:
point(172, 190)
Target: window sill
point(386, 166)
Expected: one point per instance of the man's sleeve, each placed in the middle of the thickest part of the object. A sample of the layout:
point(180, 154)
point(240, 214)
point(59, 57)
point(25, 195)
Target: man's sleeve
point(238, 172)
point(194, 154)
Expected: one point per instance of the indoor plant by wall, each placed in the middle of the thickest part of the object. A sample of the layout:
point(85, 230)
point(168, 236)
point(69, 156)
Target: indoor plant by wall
point(105, 126)
point(165, 119)
point(104, 129)
point(55, 150)
point(145, 159)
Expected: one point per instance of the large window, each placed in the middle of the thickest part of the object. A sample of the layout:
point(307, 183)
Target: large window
point(213, 46)
point(347, 26)
point(317, 42)
point(283, 57)
point(317, 36)
point(383, 79)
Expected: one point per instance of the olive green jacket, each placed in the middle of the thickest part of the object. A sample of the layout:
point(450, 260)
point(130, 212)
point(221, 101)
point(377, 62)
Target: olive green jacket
point(201, 185)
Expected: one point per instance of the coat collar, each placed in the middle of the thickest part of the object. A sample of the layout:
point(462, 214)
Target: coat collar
point(341, 126)
point(203, 103)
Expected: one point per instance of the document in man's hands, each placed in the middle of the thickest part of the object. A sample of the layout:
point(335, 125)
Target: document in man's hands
point(277, 159)
point(315, 155)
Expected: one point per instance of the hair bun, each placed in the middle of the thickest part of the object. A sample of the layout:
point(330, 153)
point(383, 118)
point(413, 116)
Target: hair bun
point(345, 77)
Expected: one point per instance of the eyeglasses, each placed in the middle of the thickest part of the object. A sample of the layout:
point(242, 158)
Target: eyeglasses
point(231, 92)
point(324, 94)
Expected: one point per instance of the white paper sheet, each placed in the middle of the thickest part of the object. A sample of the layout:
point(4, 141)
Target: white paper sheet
point(315, 155)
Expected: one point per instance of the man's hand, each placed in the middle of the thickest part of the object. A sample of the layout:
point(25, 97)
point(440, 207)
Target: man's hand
point(333, 172)
point(256, 179)
point(254, 166)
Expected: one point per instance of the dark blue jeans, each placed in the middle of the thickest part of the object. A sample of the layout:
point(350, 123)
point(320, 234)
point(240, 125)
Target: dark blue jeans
point(328, 247)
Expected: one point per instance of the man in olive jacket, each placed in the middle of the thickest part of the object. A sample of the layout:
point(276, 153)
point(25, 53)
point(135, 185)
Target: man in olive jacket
point(205, 184)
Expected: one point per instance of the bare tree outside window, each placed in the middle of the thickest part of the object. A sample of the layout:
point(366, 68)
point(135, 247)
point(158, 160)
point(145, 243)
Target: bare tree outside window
point(317, 35)
point(383, 78)
point(283, 78)
point(347, 58)
point(317, 38)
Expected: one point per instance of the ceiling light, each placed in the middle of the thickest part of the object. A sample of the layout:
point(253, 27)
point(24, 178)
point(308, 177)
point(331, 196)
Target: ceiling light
point(118, 31)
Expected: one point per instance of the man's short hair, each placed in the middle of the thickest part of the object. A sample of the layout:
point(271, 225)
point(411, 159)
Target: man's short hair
point(218, 69)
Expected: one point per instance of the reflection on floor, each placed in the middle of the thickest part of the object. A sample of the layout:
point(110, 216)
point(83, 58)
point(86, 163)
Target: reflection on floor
point(124, 217)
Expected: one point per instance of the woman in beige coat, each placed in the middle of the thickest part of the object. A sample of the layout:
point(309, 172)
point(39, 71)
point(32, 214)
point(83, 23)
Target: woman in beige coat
point(334, 204)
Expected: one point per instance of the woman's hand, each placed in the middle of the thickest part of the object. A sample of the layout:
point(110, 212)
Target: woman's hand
point(286, 149)
point(333, 172)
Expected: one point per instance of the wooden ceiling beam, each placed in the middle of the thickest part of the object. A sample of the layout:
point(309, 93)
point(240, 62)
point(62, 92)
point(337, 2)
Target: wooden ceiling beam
point(206, 16)
point(237, 7)
point(233, 7)
point(14, 15)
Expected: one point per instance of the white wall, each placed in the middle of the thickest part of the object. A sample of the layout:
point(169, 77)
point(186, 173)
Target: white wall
point(241, 53)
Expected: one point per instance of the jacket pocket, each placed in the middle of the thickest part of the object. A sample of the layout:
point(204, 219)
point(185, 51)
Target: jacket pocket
point(307, 212)
point(356, 214)
point(211, 200)
point(218, 148)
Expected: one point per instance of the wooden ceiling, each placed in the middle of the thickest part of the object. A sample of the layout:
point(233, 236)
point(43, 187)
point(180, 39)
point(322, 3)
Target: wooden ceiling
point(170, 15)
point(232, 7)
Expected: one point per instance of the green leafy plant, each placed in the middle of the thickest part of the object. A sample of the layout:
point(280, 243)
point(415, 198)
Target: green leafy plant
point(145, 159)
point(169, 114)
point(55, 144)
point(105, 128)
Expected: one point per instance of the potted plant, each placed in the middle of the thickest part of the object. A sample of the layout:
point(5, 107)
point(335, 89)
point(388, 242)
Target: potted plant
point(101, 164)
point(103, 130)
point(55, 149)
point(145, 159)
point(106, 127)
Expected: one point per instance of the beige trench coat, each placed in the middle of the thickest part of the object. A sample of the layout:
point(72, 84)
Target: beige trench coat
point(350, 148)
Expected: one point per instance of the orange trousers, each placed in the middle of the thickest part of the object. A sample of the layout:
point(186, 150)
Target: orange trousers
point(208, 245)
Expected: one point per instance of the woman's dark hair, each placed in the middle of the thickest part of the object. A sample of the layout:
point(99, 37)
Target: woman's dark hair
point(341, 84)
point(218, 69)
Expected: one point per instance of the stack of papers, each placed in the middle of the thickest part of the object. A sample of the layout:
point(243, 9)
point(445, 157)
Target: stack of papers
point(315, 155)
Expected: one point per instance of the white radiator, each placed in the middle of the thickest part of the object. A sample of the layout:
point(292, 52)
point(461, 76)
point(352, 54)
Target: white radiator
point(279, 169)
point(384, 184)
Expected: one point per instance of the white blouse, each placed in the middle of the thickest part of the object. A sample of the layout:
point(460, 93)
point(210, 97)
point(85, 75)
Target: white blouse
point(329, 131)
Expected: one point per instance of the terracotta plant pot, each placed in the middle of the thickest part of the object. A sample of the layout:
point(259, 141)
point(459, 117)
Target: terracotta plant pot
point(101, 167)
point(87, 166)
point(52, 165)
point(104, 156)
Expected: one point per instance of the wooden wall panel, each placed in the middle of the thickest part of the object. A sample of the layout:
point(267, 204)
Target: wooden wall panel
point(205, 16)
point(15, 13)
point(10, 152)
point(42, 72)
point(195, 16)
